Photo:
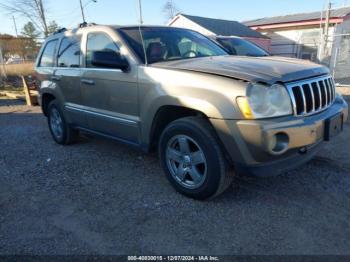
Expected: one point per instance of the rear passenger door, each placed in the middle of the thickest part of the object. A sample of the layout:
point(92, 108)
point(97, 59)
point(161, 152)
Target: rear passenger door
point(67, 75)
point(45, 65)
point(110, 95)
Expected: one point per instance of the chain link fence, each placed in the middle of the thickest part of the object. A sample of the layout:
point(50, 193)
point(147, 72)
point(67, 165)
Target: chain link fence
point(341, 59)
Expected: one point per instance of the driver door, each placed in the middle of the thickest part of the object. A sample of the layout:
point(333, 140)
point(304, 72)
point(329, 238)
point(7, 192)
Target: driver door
point(110, 95)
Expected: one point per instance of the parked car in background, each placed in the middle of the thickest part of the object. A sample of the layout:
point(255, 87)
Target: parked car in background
point(208, 114)
point(14, 60)
point(240, 47)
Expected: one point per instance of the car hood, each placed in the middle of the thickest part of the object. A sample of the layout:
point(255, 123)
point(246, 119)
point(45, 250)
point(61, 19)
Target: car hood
point(270, 69)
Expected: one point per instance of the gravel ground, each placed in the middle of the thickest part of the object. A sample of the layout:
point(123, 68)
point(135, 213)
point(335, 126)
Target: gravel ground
point(101, 197)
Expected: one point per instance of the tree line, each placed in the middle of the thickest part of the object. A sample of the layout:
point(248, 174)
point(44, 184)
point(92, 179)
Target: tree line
point(26, 44)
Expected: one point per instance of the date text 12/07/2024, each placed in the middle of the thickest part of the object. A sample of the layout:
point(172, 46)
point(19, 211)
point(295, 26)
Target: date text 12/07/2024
point(173, 258)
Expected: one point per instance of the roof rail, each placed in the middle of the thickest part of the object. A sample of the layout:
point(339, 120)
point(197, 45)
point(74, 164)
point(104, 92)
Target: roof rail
point(61, 30)
point(85, 24)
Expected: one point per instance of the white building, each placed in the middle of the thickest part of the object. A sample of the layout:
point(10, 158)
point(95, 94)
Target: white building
point(218, 27)
point(304, 36)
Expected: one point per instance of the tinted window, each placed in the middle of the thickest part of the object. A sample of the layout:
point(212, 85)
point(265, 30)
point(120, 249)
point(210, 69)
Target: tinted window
point(99, 42)
point(69, 53)
point(188, 48)
point(166, 44)
point(241, 47)
point(47, 57)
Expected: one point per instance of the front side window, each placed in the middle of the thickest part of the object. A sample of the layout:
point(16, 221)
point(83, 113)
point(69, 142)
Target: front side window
point(69, 53)
point(168, 44)
point(99, 42)
point(47, 57)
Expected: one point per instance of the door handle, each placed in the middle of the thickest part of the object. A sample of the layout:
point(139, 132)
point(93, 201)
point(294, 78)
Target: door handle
point(55, 78)
point(88, 81)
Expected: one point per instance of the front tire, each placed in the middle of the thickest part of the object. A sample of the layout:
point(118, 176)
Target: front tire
point(193, 160)
point(61, 132)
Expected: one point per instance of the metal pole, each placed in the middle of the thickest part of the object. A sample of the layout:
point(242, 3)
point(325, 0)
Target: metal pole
point(335, 61)
point(82, 10)
point(14, 23)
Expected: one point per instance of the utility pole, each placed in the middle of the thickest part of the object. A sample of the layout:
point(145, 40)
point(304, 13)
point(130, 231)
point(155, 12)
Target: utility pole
point(82, 11)
point(2, 66)
point(326, 28)
point(14, 23)
point(42, 16)
point(83, 6)
point(324, 31)
point(140, 12)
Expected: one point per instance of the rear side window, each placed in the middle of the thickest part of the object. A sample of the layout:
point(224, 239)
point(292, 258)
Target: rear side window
point(99, 42)
point(47, 57)
point(69, 52)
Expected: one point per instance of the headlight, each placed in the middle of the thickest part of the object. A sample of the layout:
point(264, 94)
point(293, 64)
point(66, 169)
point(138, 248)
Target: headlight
point(264, 101)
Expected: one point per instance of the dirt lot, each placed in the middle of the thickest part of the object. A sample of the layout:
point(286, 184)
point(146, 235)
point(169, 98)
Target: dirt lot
point(100, 197)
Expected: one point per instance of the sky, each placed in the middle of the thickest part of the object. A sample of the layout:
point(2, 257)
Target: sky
point(67, 13)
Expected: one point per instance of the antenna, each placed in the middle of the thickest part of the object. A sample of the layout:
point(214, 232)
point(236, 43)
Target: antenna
point(140, 12)
point(141, 23)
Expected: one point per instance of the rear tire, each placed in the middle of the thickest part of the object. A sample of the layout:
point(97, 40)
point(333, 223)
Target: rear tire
point(193, 160)
point(61, 132)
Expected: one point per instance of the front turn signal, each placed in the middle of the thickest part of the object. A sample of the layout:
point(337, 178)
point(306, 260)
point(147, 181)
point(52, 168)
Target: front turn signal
point(244, 106)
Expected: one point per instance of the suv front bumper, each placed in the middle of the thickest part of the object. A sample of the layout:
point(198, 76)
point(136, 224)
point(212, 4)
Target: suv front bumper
point(274, 146)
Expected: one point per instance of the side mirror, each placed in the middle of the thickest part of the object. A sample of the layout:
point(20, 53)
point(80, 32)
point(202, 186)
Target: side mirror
point(109, 59)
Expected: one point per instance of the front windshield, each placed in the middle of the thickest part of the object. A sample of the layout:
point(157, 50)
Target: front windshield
point(241, 47)
point(167, 44)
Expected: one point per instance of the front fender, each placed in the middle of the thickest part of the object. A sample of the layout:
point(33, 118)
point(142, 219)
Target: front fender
point(214, 96)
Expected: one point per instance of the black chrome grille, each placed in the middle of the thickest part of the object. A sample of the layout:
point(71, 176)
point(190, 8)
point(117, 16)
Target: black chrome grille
point(312, 96)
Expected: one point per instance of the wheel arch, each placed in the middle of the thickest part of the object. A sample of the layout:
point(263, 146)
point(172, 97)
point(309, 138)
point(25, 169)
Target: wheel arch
point(46, 98)
point(164, 116)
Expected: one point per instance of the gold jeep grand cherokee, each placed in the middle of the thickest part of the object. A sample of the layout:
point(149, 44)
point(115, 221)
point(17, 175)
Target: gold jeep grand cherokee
point(208, 114)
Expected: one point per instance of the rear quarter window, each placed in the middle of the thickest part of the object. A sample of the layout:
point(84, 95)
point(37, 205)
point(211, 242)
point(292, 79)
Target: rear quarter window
point(47, 57)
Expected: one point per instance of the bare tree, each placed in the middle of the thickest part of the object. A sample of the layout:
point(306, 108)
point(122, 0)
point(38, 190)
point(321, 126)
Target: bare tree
point(53, 27)
point(33, 10)
point(170, 9)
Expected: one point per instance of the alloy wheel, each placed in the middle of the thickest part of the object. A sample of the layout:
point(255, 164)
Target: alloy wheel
point(186, 161)
point(56, 123)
